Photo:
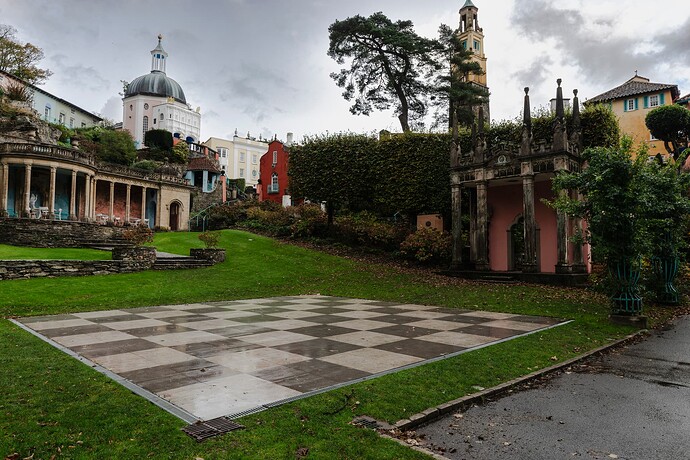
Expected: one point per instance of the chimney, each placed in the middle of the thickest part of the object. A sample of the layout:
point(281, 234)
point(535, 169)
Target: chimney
point(289, 139)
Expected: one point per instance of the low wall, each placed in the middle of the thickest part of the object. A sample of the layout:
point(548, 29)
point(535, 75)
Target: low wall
point(54, 233)
point(23, 269)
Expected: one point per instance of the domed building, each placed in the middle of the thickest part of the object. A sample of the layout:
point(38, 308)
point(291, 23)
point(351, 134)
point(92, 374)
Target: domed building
point(156, 101)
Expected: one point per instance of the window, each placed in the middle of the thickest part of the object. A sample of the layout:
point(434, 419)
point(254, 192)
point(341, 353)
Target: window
point(464, 44)
point(254, 159)
point(154, 120)
point(61, 118)
point(72, 110)
point(83, 125)
point(654, 101)
point(242, 158)
point(47, 113)
point(146, 123)
point(71, 123)
point(223, 152)
point(476, 45)
point(275, 157)
point(273, 188)
point(162, 117)
point(241, 172)
point(146, 106)
point(630, 105)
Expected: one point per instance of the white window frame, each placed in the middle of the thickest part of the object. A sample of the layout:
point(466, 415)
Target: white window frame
point(254, 159)
point(654, 101)
point(274, 187)
point(241, 172)
point(242, 157)
point(630, 105)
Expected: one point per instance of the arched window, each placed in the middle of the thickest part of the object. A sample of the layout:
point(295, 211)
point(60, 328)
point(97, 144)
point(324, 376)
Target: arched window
point(146, 124)
point(162, 116)
point(274, 187)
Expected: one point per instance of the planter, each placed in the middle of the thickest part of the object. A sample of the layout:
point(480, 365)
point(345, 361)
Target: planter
point(215, 255)
point(626, 274)
point(137, 253)
point(667, 270)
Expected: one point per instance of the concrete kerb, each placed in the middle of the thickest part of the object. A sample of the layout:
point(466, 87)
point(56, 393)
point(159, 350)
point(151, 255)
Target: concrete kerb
point(435, 412)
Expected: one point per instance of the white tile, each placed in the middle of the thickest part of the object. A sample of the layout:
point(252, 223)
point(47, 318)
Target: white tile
point(226, 396)
point(516, 325)
point(437, 324)
point(359, 314)
point(255, 360)
point(134, 324)
point(371, 360)
point(125, 362)
point(272, 339)
point(101, 314)
point(458, 339)
point(366, 338)
point(166, 314)
point(92, 338)
point(183, 338)
point(45, 325)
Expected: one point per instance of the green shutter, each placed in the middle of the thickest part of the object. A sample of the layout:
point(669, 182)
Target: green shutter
point(637, 100)
point(646, 102)
point(661, 99)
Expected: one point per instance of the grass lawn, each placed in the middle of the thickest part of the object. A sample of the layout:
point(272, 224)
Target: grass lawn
point(21, 253)
point(52, 405)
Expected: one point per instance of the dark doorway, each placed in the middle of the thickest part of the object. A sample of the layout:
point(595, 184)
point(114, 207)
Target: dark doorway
point(174, 216)
point(516, 251)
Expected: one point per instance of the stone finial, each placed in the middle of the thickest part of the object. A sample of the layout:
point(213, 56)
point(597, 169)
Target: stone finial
point(526, 144)
point(526, 115)
point(560, 108)
point(576, 135)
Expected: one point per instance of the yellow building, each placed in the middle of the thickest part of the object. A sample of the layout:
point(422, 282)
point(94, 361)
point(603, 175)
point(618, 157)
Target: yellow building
point(632, 101)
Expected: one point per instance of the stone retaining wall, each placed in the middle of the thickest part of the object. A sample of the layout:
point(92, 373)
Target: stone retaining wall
point(54, 233)
point(23, 269)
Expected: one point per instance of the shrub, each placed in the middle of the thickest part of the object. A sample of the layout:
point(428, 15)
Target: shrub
point(210, 239)
point(309, 221)
point(18, 92)
point(138, 235)
point(159, 138)
point(146, 165)
point(365, 229)
point(427, 245)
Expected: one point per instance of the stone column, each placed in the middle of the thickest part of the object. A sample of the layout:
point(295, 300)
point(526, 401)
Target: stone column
point(530, 262)
point(159, 206)
point(482, 262)
point(143, 203)
point(51, 202)
point(5, 188)
point(27, 189)
point(128, 205)
point(562, 266)
point(73, 198)
point(456, 196)
point(87, 197)
point(111, 207)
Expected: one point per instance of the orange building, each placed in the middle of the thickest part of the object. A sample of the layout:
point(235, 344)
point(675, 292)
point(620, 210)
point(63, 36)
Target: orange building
point(632, 101)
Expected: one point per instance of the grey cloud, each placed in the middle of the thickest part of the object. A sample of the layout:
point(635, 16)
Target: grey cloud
point(536, 73)
point(601, 57)
point(77, 74)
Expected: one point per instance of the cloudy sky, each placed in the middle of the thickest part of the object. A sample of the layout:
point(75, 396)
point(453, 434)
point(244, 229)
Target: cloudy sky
point(260, 66)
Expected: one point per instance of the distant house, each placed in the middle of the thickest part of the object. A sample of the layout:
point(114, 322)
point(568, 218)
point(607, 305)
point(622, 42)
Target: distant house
point(239, 157)
point(632, 101)
point(684, 101)
point(273, 185)
point(52, 108)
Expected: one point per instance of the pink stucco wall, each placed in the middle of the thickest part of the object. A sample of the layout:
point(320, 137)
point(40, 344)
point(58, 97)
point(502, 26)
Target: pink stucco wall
point(505, 205)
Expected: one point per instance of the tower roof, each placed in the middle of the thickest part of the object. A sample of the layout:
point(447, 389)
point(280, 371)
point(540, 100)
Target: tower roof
point(156, 83)
point(468, 4)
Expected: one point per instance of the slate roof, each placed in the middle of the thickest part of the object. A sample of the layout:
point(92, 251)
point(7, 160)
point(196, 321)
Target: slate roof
point(468, 4)
point(634, 86)
point(157, 84)
point(684, 100)
point(202, 164)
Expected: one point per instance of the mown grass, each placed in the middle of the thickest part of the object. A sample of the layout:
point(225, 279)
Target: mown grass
point(22, 253)
point(53, 405)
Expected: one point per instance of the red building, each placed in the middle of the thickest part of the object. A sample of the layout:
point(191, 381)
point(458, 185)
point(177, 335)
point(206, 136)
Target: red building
point(273, 176)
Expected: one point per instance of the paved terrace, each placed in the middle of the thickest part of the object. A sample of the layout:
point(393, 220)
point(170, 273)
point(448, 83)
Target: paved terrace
point(207, 360)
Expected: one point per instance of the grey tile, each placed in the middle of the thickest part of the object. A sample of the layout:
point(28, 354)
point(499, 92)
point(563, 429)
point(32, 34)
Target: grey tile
point(495, 332)
point(113, 348)
point(76, 330)
point(322, 330)
point(316, 348)
point(420, 348)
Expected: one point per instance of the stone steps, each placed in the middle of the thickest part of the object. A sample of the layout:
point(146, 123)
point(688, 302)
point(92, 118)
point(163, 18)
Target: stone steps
point(180, 263)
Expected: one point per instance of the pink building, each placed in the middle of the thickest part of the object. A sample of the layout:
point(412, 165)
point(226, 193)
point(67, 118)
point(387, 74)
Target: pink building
point(511, 228)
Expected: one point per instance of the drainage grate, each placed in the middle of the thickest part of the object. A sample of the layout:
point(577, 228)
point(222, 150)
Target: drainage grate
point(371, 423)
point(211, 428)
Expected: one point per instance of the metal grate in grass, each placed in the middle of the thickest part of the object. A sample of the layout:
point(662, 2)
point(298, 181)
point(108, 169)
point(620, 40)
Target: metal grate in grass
point(211, 428)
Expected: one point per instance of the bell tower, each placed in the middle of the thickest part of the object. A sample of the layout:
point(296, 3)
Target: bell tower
point(471, 37)
point(158, 56)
